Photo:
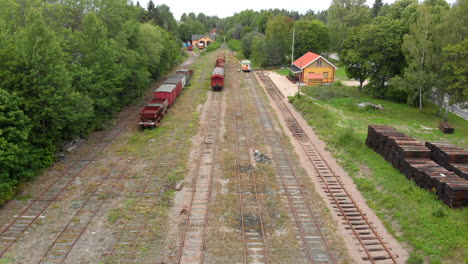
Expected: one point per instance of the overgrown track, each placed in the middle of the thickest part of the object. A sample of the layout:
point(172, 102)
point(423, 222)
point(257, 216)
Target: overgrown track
point(193, 237)
point(252, 230)
point(33, 211)
point(310, 235)
point(135, 231)
point(77, 225)
point(375, 250)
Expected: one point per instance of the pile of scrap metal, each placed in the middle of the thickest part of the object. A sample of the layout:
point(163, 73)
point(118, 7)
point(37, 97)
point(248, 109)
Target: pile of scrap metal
point(370, 105)
point(260, 157)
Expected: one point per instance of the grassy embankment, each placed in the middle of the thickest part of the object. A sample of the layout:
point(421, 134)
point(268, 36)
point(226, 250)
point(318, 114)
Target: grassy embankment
point(426, 226)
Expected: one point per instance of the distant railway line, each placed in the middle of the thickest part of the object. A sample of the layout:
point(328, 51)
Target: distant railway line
point(370, 243)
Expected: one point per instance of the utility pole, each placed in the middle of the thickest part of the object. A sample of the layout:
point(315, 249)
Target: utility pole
point(292, 49)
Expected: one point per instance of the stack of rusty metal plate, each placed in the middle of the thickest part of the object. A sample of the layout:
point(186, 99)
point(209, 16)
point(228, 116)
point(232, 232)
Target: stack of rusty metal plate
point(413, 159)
point(395, 146)
point(450, 156)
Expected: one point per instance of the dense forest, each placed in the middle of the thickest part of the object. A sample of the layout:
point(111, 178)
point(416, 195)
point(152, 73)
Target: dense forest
point(67, 67)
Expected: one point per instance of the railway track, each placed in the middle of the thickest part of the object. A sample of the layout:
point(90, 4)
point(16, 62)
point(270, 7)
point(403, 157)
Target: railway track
point(77, 225)
point(369, 241)
point(63, 244)
point(10, 234)
point(135, 232)
point(252, 229)
point(314, 245)
point(193, 236)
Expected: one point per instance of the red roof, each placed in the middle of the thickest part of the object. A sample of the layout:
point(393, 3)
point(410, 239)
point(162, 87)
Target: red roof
point(314, 76)
point(307, 59)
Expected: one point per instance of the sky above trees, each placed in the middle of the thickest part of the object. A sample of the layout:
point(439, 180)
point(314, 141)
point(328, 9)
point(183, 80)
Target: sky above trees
point(228, 8)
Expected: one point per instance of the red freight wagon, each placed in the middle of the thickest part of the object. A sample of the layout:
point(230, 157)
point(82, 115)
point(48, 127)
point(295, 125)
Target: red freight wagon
point(187, 73)
point(217, 79)
point(181, 76)
point(153, 112)
point(220, 60)
point(177, 81)
point(166, 91)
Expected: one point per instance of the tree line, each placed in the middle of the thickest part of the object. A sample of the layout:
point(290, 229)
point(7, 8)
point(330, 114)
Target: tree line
point(408, 51)
point(66, 68)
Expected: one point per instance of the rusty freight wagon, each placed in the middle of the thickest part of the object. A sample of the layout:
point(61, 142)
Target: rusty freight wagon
point(187, 73)
point(220, 60)
point(166, 91)
point(152, 113)
point(217, 79)
point(179, 81)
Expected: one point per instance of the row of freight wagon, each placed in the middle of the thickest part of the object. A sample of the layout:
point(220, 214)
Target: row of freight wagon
point(217, 76)
point(163, 98)
point(166, 94)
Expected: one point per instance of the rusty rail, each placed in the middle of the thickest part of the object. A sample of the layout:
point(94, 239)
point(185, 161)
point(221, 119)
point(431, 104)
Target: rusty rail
point(354, 219)
point(310, 233)
point(253, 235)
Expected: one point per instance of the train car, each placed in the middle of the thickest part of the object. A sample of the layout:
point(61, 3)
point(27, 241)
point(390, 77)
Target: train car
point(181, 77)
point(246, 66)
point(152, 113)
point(217, 79)
point(190, 47)
point(177, 80)
point(187, 73)
point(166, 91)
point(220, 60)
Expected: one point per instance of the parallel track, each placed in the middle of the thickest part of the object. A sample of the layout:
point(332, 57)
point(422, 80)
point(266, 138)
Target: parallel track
point(66, 240)
point(136, 230)
point(33, 211)
point(252, 229)
point(315, 248)
point(370, 242)
point(193, 237)
point(63, 244)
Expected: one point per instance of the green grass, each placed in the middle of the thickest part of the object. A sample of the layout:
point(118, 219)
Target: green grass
point(413, 215)
point(283, 71)
point(340, 74)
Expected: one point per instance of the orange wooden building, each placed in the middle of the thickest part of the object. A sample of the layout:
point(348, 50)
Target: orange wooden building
point(313, 69)
point(203, 40)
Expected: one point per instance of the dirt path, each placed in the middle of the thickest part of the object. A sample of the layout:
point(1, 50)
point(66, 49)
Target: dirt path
point(287, 88)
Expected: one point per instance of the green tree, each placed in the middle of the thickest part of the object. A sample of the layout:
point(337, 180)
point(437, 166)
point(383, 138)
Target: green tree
point(247, 41)
point(356, 62)
point(97, 73)
point(262, 20)
point(279, 39)
point(455, 72)
point(259, 55)
point(165, 19)
point(376, 49)
point(310, 36)
point(16, 159)
point(421, 51)
point(376, 8)
point(344, 15)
